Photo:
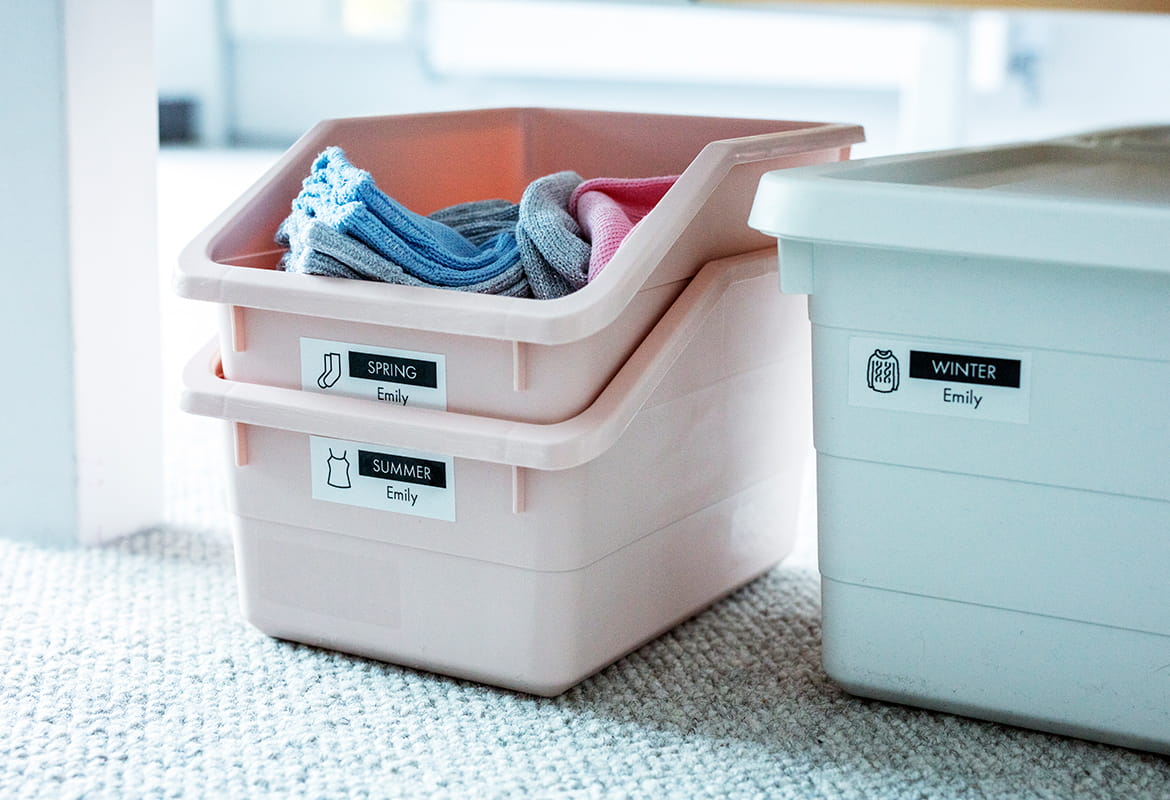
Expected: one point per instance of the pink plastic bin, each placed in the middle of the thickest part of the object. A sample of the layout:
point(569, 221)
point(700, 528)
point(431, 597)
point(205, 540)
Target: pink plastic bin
point(509, 358)
point(522, 554)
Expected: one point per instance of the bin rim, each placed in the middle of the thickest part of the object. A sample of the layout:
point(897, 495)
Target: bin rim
point(544, 446)
point(902, 202)
point(555, 321)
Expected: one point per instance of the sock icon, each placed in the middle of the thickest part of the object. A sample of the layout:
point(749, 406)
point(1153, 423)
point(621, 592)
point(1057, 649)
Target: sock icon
point(332, 372)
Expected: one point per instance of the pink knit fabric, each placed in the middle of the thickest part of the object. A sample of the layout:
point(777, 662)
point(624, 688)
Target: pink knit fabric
point(607, 209)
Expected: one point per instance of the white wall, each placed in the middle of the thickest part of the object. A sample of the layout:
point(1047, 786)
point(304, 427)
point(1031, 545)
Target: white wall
point(112, 145)
point(80, 419)
point(38, 471)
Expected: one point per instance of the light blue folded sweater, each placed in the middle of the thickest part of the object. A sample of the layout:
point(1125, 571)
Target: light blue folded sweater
point(320, 250)
point(343, 225)
point(346, 199)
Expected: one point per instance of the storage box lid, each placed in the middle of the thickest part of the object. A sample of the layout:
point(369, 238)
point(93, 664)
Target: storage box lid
point(1067, 202)
point(1136, 137)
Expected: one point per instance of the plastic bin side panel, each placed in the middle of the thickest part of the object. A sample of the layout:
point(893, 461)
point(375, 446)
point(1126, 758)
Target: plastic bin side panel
point(276, 485)
point(629, 145)
point(563, 380)
point(1090, 422)
point(484, 376)
point(248, 238)
point(1082, 555)
point(1096, 343)
point(1019, 303)
point(425, 164)
point(643, 590)
point(711, 222)
point(429, 161)
point(756, 326)
point(672, 461)
point(679, 457)
point(461, 166)
point(417, 608)
point(534, 631)
point(765, 325)
point(1059, 675)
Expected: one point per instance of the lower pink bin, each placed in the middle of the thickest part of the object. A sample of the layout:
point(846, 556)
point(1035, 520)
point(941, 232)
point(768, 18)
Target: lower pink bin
point(521, 554)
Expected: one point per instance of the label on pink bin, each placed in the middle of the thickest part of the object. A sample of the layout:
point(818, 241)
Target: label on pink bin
point(383, 478)
point(401, 377)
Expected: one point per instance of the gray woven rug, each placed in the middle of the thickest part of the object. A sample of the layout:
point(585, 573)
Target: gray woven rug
point(129, 673)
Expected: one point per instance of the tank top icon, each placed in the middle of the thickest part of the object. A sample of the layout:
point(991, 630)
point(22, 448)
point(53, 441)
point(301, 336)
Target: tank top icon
point(882, 373)
point(338, 470)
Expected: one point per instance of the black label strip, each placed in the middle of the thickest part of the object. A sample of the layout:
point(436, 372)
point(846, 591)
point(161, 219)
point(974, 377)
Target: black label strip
point(955, 368)
point(404, 469)
point(392, 369)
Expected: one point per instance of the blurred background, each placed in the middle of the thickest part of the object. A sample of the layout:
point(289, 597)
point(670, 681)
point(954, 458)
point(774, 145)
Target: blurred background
point(260, 72)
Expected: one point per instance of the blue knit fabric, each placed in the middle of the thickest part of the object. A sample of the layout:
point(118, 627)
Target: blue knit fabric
point(342, 225)
point(346, 199)
point(317, 249)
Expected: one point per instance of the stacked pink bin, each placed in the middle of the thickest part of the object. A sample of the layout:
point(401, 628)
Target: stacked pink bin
point(581, 473)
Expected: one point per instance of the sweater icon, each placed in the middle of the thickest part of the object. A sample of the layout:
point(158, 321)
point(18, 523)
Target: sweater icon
point(882, 373)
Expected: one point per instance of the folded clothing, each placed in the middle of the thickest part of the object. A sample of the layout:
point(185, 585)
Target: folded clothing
point(345, 198)
point(556, 239)
point(553, 248)
point(607, 209)
point(321, 250)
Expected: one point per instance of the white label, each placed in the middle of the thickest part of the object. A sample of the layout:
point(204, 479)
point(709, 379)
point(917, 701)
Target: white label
point(954, 379)
point(383, 478)
point(401, 377)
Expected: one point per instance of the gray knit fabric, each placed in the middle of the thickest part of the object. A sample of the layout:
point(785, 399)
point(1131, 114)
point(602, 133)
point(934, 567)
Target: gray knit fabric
point(553, 248)
point(129, 673)
point(479, 221)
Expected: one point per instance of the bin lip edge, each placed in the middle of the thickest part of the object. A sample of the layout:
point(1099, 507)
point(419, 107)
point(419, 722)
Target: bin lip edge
point(544, 446)
point(791, 204)
point(552, 322)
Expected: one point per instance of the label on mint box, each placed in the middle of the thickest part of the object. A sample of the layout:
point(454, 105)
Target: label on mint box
point(934, 377)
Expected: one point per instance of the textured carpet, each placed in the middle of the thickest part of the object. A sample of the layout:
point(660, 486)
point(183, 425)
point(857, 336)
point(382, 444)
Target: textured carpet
point(129, 673)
